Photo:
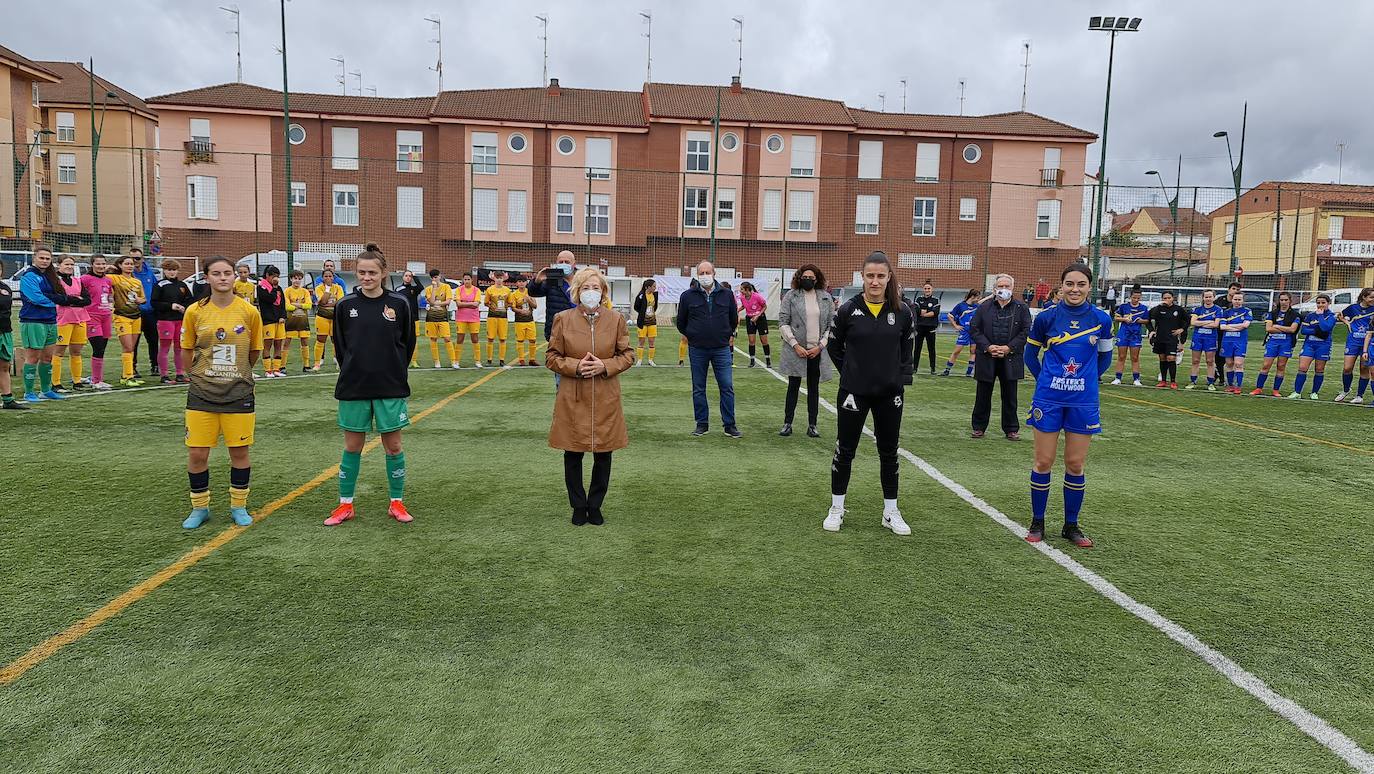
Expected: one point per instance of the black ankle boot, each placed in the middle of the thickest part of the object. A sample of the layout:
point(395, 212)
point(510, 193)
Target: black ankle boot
point(594, 517)
point(786, 430)
point(579, 517)
point(811, 432)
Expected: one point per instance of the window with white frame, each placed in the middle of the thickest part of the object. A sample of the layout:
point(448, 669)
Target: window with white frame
point(694, 207)
point(66, 167)
point(1047, 219)
point(968, 208)
point(773, 143)
point(870, 159)
point(410, 148)
point(923, 216)
point(1230, 233)
point(410, 206)
point(803, 156)
point(297, 194)
point(928, 162)
point(698, 151)
point(66, 127)
point(725, 208)
point(202, 197)
point(563, 213)
point(772, 210)
point(344, 143)
point(517, 211)
point(866, 213)
point(66, 210)
point(200, 130)
point(484, 154)
point(1051, 158)
point(345, 205)
point(1335, 227)
point(35, 95)
point(799, 204)
point(599, 158)
point(484, 209)
point(598, 212)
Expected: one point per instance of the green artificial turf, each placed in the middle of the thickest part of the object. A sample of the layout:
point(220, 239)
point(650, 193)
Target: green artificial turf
point(711, 625)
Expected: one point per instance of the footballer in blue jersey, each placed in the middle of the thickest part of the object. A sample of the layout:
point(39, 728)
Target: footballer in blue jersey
point(1205, 321)
point(1358, 317)
point(961, 317)
point(1068, 349)
point(1280, 335)
point(1317, 329)
point(1130, 334)
point(1235, 341)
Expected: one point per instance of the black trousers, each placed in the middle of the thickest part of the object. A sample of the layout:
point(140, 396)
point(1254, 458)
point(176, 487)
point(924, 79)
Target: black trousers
point(813, 393)
point(150, 337)
point(578, 497)
point(982, 406)
point(887, 426)
point(928, 336)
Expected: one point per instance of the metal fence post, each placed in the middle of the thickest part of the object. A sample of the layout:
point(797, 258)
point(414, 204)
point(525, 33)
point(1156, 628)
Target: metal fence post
point(257, 230)
point(1278, 232)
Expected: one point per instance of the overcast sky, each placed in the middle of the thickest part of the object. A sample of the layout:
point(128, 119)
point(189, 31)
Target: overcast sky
point(1183, 76)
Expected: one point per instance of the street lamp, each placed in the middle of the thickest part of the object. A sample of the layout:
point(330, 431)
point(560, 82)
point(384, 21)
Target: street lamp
point(1236, 166)
point(20, 167)
point(95, 152)
point(1173, 211)
point(1113, 25)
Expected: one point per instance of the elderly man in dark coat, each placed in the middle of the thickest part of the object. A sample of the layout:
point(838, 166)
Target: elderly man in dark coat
point(999, 332)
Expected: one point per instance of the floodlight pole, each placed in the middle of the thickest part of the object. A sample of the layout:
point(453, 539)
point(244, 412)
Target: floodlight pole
point(1102, 163)
point(286, 146)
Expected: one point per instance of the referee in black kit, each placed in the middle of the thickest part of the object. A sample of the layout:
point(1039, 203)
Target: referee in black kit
point(871, 342)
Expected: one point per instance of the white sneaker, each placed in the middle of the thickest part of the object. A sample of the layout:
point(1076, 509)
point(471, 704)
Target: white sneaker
point(1315, 396)
point(1340, 396)
point(478, 364)
point(1294, 395)
point(833, 519)
point(1117, 382)
point(1357, 399)
point(651, 363)
point(1137, 383)
point(101, 386)
point(893, 520)
point(456, 366)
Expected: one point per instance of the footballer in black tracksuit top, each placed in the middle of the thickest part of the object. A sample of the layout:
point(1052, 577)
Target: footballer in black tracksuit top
point(373, 341)
point(875, 357)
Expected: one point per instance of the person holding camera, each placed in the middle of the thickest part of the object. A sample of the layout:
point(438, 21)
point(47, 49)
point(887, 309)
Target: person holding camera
point(554, 285)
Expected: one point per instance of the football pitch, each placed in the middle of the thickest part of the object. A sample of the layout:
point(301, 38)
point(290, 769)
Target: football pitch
point(710, 625)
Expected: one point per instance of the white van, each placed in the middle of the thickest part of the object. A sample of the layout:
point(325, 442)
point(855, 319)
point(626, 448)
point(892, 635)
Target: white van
point(1340, 299)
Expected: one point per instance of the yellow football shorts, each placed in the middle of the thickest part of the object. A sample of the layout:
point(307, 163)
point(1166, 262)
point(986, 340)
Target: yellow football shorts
point(525, 331)
point(271, 331)
point(204, 428)
point(498, 328)
point(323, 327)
point(437, 330)
point(474, 328)
point(71, 333)
point(648, 332)
point(128, 326)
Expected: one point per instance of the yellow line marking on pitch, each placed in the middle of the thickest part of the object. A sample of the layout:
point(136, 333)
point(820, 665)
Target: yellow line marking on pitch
point(1246, 425)
point(47, 648)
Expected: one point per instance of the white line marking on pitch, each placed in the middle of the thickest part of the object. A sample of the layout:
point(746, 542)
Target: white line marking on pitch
point(1324, 733)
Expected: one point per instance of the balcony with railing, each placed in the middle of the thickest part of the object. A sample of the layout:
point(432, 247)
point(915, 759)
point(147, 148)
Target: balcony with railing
point(199, 151)
point(1051, 178)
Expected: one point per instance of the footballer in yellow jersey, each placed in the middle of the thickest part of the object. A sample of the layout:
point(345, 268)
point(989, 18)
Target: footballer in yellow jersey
point(646, 321)
point(222, 338)
point(128, 318)
point(298, 304)
point(437, 298)
point(244, 286)
point(327, 294)
point(498, 325)
point(522, 305)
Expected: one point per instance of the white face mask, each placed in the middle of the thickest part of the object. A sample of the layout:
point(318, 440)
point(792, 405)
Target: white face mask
point(591, 298)
point(706, 280)
point(1003, 294)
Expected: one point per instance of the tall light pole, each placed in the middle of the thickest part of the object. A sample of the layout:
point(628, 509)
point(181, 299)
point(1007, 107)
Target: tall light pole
point(1113, 25)
point(95, 154)
point(1236, 167)
point(238, 37)
point(20, 167)
point(286, 146)
point(1173, 211)
point(439, 39)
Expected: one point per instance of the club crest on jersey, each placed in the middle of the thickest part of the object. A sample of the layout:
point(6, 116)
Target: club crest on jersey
point(1092, 339)
point(239, 329)
point(1037, 414)
point(891, 319)
point(389, 313)
point(897, 401)
point(352, 312)
point(1071, 367)
point(220, 335)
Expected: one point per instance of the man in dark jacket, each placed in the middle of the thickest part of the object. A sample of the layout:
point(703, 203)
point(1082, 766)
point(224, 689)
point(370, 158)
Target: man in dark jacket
point(552, 285)
point(927, 309)
point(999, 330)
point(707, 317)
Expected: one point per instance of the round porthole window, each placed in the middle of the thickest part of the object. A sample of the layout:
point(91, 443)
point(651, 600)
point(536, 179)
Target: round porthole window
point(972, 153)
point(729, 141)
point(566, 145)
point(516, 142)
point(295, 134)
point(774, 143)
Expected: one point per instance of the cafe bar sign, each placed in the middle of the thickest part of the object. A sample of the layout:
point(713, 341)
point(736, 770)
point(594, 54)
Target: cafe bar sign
point(1345, 252)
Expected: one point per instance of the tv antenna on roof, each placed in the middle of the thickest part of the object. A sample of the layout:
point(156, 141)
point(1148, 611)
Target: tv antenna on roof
point(238, 38)
point(882, 102)
point(544, 36)
point(359, 75)
point(1025, 73)
point(961, 96)
point(739, 22)
point(649, 66)
point(1340, 160)
point(903, 82)
point(438, 38)
point(342, 77)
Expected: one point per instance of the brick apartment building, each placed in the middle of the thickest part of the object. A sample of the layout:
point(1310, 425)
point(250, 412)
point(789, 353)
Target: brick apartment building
point(509, 176)
point(21, 120)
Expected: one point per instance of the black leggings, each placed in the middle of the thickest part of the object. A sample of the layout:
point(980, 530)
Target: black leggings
point(928, 336)
point(813, 393)
point(887, 426)
point(601, 479)
point(98, 347)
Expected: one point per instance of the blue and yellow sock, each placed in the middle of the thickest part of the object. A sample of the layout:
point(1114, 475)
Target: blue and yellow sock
point(348, 473)
point(239, 479)
point(396, 475)
point(200, 488)
point(1040, 494)
point(1074, 487)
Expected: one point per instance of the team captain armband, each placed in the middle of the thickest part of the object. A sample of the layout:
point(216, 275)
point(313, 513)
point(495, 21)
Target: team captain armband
point(1106, 344)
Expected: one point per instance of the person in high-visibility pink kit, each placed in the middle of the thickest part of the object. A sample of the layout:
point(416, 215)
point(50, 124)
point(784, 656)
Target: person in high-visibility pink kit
point(100, 323)
point(469, 318)
point(754, 306)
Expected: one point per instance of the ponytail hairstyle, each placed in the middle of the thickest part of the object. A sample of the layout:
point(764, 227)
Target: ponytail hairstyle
point(50, 273)
point(205, 272)
point(893, 294)
point(374, 253)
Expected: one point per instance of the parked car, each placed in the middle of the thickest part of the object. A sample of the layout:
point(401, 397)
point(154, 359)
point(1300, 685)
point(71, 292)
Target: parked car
point(1340, 299)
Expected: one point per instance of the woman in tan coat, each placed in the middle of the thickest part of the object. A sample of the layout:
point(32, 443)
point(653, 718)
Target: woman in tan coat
point(589, 345)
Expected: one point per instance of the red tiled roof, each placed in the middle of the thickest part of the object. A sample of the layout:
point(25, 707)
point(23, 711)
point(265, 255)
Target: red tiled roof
point(676, 100)
point(1017, 123)
point(1163, 219)
point(1313, 194)
point(249, 97)
point(16, 59)
point(76, 87)
point(599, 107)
